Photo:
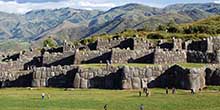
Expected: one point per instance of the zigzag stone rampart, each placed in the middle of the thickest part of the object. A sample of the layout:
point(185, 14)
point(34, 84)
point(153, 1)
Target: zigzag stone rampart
point(61, 67)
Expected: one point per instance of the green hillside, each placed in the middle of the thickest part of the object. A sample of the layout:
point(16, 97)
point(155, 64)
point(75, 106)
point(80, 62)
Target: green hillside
point(196, 30)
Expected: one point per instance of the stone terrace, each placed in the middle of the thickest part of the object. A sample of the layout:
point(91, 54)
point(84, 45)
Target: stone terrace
point(61, 67)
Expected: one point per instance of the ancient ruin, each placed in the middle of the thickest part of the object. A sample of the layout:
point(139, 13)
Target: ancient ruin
point(68, 66)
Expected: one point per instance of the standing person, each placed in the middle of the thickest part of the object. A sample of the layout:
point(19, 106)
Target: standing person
point(141, 107)
point(192, 91)
point(173, 90)
point(147, 92)
point(42, 96)
point(167, 90)
point(139, 93)
point(200, 89)
point(106, 107)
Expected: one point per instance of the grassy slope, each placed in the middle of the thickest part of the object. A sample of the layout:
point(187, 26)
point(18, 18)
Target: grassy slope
point(13, 45)
point(211, 22)
point(186, 65)
point(23, 99)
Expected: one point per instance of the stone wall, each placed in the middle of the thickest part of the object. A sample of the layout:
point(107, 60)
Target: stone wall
point(140, 44)
point(11, 66)
point(103, 44)
point(217, 57)
point(205, 45)
point(108, 77)
point(212, 74)
point(82, 57)
point(140, 77)
point(78, 77)
point(59, 68)
point(163, 76)
point(201, 57)
point(18, 61)
point(200, 45)
point(215, 42)
point(54, 59)
point(177, 44)
point(67, 46)
point(126, 77)
point(132, 56)
point(15, 78)
point(55, 76)
point(168, 57)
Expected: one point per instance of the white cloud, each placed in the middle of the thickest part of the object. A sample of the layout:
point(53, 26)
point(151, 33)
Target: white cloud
point(14, 7)
point(97, 5)
point(217, 1)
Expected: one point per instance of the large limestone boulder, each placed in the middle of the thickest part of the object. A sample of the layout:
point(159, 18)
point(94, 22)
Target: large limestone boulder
point(126, 84)
point(183, 78)
point(136, 83)
point(76, 82)
point(43, 83)
point(196, 79)
point(84, 83)
point(36, 83)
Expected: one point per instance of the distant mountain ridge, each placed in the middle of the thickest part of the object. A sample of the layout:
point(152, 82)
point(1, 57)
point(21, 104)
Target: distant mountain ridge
point(69, 23)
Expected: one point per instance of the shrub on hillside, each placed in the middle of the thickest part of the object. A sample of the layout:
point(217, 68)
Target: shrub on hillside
point(155, 36)
point(49, 42)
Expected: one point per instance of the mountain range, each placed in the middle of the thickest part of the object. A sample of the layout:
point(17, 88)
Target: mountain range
point(74, 24)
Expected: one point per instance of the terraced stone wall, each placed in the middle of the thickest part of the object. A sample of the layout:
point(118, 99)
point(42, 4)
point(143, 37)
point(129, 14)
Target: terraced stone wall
point(168, 57)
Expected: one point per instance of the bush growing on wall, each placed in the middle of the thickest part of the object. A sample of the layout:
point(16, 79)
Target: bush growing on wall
point(50, 42)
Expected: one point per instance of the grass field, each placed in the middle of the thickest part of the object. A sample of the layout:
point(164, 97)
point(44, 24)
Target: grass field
point(186, 65)
point(93, 99)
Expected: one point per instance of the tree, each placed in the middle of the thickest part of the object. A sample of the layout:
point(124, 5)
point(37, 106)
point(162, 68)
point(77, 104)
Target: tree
point(49, 42)
point(155, 36)
point(162, 28)
point(172, 27)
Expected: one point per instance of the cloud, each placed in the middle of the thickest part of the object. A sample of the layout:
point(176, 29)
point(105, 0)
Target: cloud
point(14, 7)
point(217, 1)
point(32, 1)
point(22, 6)
point(89, 4)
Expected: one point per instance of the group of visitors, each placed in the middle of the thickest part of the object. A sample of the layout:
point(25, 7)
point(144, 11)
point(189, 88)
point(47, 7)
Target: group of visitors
point(147, 92)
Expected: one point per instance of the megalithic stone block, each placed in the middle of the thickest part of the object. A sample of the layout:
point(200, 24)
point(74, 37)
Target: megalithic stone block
point(84, 83)
point(76, 82)
point(36, 83)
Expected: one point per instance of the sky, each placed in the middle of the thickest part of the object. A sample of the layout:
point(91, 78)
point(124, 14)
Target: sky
point(23, 6)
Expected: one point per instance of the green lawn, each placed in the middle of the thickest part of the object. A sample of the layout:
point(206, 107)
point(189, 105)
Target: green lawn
point(186, 65)
point(24, 99)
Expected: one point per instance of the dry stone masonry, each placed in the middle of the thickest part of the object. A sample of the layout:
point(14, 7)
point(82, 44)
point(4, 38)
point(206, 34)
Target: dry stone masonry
point(70, 65)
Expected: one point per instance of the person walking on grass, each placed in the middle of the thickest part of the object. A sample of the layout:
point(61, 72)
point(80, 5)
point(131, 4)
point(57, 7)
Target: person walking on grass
point(42, 96)
point(141, 107)
point(147, 92)
point(139, 93)
point(192, 91)
point(173, 90)
point(106, 107)
point(167, 90)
